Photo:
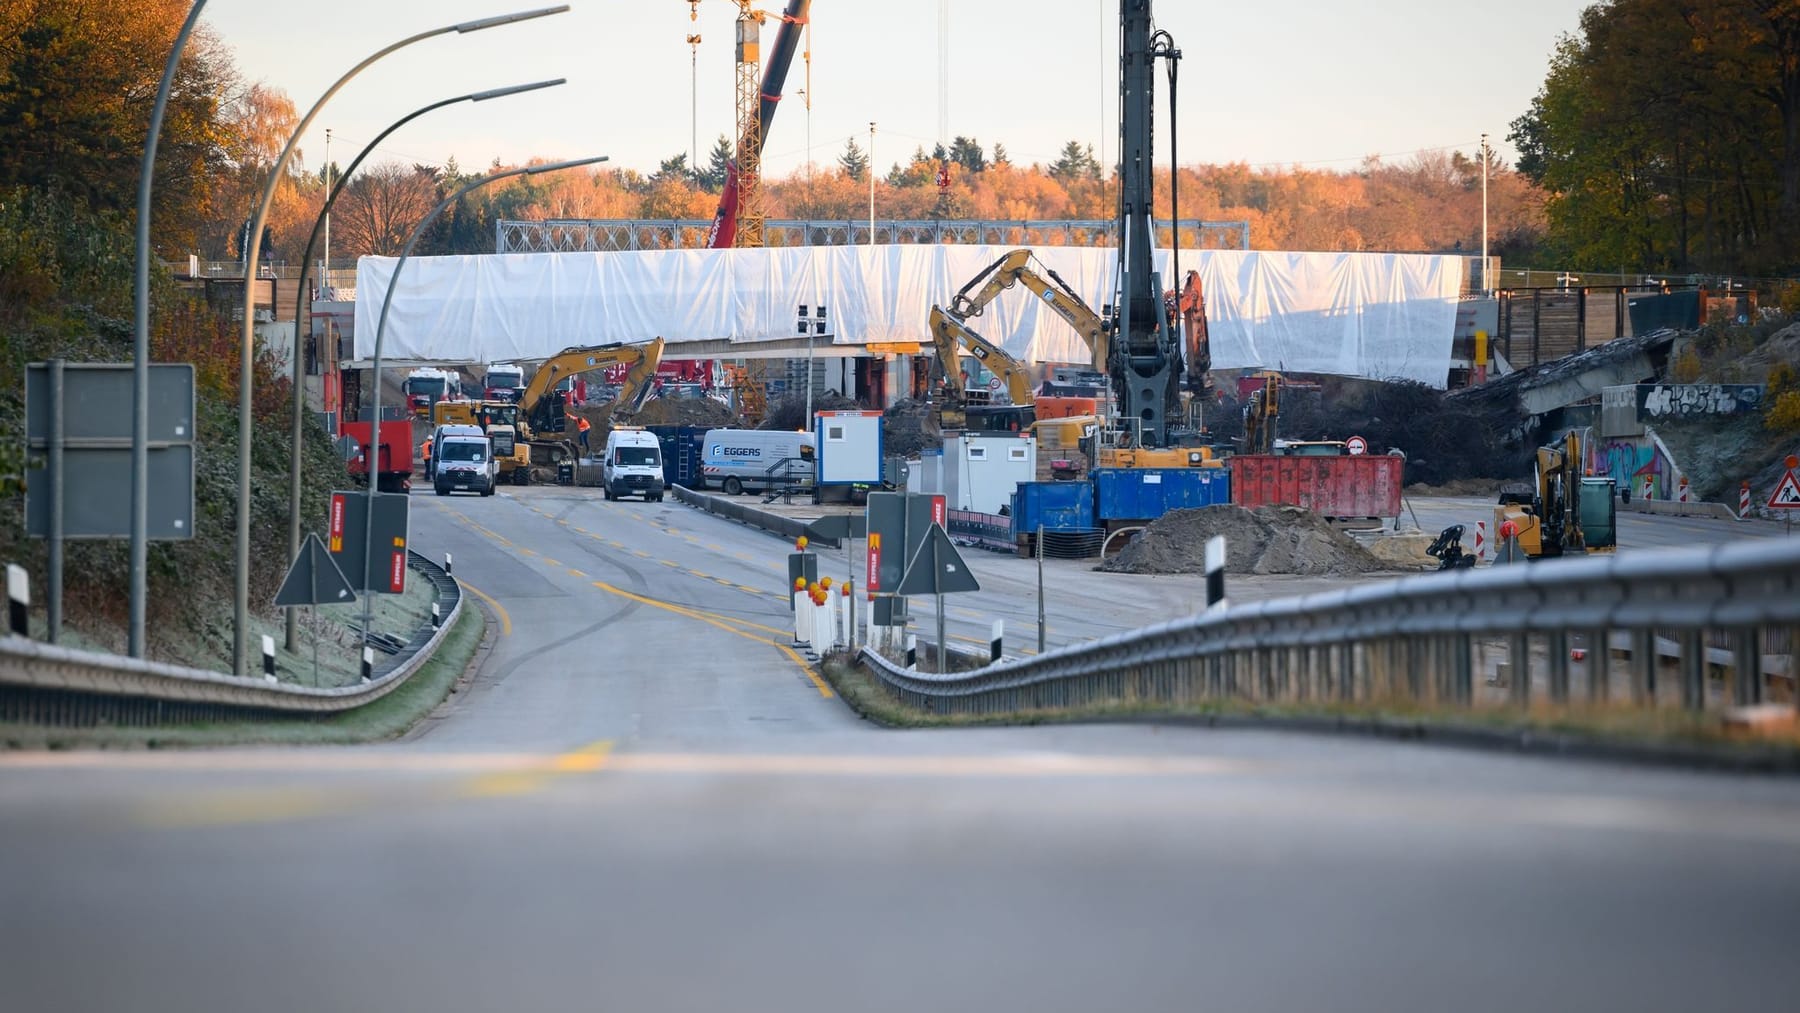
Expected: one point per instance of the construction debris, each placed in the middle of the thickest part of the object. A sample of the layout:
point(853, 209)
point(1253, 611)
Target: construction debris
point(1267, 540)
point(909, 429)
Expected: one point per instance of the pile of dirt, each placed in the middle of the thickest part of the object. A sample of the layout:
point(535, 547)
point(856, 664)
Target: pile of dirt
point(788, 413)
point(1484, 487)
point(909, 429)
point(686, 411)
point(1753, 367)
point(1267, 540)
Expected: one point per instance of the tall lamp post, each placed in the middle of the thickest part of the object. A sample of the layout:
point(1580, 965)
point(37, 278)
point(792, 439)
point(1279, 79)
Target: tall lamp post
point(1487, 286)
point(808, 332)
point(140, 348)
point(871, 182)
point(387, 301)
point(247, 347)
point(324, 222)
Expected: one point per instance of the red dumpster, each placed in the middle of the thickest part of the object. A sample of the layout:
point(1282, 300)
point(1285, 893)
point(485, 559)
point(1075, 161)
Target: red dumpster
point(1355, 485)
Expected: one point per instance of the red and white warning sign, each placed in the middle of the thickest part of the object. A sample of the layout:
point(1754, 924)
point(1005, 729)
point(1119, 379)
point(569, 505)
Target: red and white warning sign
point(1787, 493)
point(1356, 445)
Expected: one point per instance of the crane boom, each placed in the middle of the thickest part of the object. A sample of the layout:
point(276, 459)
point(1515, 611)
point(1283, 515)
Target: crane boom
point(723, 234)
point(1145, 364)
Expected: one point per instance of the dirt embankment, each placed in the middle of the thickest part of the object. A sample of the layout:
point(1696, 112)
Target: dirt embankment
point(1267, 540)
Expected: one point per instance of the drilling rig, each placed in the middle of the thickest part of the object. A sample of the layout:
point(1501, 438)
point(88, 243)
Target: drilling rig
point(1145, 362)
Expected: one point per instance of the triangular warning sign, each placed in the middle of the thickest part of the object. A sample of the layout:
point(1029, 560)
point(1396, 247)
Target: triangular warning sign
point(1787, 494)
point(314, 579)
point(937, 568)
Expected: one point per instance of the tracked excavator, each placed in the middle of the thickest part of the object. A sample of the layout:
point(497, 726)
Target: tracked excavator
point(949, 335)
point(1015, 269)
point(542, 414)
point(1566, 513)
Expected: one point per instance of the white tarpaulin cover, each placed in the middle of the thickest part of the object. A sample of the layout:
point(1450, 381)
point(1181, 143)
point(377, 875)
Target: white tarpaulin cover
point(1355, 314)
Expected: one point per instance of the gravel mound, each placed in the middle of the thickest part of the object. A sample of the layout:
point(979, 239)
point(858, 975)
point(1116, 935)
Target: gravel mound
point(1267, 540)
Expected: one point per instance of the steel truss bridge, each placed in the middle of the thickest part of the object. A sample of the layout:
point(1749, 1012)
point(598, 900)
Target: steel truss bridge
point(605, 235)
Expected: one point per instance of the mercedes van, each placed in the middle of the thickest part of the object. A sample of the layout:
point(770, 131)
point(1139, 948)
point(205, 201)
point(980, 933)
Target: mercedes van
point(632, 465)
point(464, 460)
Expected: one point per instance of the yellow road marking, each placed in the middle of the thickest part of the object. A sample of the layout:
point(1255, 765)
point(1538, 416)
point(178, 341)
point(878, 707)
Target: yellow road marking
point(576, 573)
point(818, 683)
point(587, 759)
point(499, 609)
point(550, 562)
point(640, 553)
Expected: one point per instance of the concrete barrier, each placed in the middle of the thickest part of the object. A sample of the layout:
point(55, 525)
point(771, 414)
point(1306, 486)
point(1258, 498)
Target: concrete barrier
point(734, 508)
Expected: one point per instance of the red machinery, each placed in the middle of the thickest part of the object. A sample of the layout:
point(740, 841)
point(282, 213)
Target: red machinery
point(723, 234)
point(393, 473)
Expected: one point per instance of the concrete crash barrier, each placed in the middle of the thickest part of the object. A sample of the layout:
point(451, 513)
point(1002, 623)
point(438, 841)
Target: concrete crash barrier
point(733, 508)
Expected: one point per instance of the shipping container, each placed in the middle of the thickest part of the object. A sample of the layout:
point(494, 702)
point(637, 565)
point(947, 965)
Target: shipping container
point(1144, 494)
point(683, 448)
point(1056, 506)
point(1065, 407)
point(1355, 485)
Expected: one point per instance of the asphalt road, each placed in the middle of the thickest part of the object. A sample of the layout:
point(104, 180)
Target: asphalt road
point(1636, 531)
point(645, 802)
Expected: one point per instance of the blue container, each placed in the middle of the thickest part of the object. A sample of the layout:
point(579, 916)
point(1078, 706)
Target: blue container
point(1144, 494)
point(682, 449)
point(1058, 506)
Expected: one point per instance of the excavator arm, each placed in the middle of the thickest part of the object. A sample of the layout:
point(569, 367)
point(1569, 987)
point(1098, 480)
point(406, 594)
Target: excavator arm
point(534, 404)
point(1015, 269)
point(950, 334)
point(1190, 306)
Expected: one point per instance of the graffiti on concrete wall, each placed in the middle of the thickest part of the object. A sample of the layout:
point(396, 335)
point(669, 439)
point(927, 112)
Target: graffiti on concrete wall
point(1676, 400)
point(1635, 464)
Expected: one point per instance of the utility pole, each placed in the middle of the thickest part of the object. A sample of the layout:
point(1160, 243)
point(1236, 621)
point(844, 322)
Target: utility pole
point(871, 182)
point(1487, 286)
point(324, 268)
point(693, 41)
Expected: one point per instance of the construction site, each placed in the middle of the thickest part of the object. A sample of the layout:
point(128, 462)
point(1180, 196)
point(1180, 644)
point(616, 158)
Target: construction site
point(1121, 401)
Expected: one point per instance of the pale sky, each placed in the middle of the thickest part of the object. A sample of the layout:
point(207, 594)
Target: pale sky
point(1321, 83)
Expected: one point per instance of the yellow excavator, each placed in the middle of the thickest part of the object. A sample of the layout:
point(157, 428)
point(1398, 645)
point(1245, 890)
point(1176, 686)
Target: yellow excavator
point(542, 414)
point(1015, 269)
point(501, 421)
point(1567, 513)
point(949, 336)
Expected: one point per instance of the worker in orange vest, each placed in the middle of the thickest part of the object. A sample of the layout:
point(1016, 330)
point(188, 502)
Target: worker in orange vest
point(583, 425)
point(425, 453)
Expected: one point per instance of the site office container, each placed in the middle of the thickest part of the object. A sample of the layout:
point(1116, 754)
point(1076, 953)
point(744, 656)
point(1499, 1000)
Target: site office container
point(1056, 506)
point(1354, 485)
point(1144, 494)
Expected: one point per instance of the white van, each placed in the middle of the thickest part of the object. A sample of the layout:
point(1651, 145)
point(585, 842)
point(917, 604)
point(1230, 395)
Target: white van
point(464, 461)
point(632, 465)
point(438, 433)
point(740, 460)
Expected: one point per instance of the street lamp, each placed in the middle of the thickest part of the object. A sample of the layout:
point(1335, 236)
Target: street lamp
point(871, 182)
point(1486, 287)
point(807, 333)
point(241, 602)
point(140, 349)
point(387, 300)
point(324, 220)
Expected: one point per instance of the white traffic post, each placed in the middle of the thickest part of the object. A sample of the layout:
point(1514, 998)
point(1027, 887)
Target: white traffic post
point(1215, 572)
point(1684, 489)
point(801, 611)
point(368, 663)
point(1743, 501)
point(448, 567)
point(994, 640)
point(268, 646)
point(912, 652)
point(1481, 541)
point(18, 600)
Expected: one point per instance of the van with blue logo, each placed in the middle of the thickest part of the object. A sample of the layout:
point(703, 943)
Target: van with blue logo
point(750, 460)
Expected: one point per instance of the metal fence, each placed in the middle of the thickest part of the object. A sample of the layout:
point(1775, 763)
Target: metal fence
point(1629, 630)
point(611, 234)
point(43, 684)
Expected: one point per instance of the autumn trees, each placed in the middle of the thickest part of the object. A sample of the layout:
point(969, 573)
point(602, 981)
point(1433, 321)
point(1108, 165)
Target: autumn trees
point(1667, 136)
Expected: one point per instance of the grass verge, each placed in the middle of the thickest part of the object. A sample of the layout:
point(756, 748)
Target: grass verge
point(1658, 736)
point(386, 718)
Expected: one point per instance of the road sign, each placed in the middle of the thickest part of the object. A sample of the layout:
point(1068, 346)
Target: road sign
point(937, 568)
point(314, 578)
point(1787, 493)
point(838, 527)
point(899, 522)
point(386, 566)
point(96, 450)
point(1357, 445)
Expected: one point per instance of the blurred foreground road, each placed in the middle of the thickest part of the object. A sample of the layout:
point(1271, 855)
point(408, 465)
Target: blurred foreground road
point(644, 803)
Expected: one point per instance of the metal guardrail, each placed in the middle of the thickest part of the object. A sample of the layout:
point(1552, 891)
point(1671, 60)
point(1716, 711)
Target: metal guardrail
point(1419, 640)
point(43, 684)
